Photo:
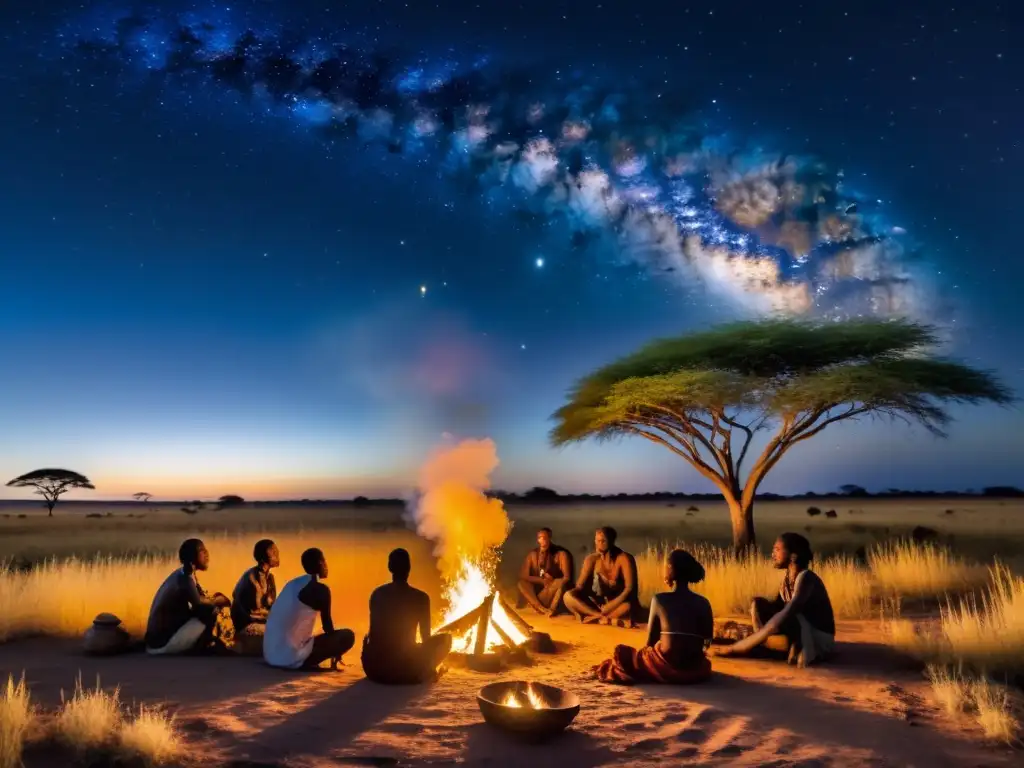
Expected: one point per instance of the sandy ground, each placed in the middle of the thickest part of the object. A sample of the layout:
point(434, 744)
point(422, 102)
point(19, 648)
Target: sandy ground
point(864, 709)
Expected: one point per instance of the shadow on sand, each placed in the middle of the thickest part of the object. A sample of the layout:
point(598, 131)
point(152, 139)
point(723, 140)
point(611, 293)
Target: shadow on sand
point(486, 745)
point(333, 722)
point(817, 720)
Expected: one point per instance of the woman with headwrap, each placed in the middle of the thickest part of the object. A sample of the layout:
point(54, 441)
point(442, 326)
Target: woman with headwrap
point(801, 616)
point(679, 631)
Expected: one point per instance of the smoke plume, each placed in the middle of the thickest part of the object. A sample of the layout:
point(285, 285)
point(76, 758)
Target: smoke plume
point(452, 510)
point(615, 163)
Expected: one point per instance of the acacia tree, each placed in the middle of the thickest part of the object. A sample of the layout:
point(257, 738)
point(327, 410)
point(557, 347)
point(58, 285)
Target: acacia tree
point(706, 395)
point(142, 497)
point(51, 484)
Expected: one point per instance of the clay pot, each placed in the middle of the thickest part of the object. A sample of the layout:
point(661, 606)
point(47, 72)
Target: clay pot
point(106, 636)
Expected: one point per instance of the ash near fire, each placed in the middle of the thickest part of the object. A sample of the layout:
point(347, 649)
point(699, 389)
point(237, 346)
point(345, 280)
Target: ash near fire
point(632, 173)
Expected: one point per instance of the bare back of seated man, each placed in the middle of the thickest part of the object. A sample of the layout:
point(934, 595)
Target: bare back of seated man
point(607, 590)
point(398, 612)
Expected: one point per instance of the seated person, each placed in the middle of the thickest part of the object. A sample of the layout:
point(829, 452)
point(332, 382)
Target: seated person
point(288, 640)
point(391, 654)
point(802, 613)
point(607, 591)
point(254, 593)
point(545, 574)
point(183, 617)
point(679, 630)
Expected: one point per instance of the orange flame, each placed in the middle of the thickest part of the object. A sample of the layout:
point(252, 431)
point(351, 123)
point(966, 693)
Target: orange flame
point(533, 699)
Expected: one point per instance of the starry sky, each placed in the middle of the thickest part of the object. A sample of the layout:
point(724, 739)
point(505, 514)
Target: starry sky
point(282, 249)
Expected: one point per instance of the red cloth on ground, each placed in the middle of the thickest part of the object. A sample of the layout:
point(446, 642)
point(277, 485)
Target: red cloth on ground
point(648, 665)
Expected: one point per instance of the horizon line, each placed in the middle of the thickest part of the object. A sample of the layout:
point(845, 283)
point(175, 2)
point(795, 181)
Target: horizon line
point(547, 494)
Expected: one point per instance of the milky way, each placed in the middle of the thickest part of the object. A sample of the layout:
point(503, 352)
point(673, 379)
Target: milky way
point(620, 165)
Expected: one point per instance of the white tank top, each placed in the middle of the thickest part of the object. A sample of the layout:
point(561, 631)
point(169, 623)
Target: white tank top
point(288, 639)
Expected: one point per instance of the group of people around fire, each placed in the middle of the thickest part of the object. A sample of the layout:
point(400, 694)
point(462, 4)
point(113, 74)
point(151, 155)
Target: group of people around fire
point(257, 620)
point(680, 624)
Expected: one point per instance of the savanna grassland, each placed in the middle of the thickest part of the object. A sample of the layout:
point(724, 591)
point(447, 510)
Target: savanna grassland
point(123, 551)
point(953, 606)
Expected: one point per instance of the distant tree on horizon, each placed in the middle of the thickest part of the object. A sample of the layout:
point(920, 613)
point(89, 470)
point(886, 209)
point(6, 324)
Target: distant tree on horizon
point(230, 500)
point(705, 395)
point(540, 493)
point(142, 496)
point(51, 484)
point(853, 490)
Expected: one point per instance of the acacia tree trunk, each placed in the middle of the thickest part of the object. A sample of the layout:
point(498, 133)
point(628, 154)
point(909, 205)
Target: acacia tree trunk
point(49, 506)
point(741, 514)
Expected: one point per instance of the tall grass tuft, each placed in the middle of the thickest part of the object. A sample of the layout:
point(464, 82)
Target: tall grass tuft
point(922, 570)
point(151, 738)
point(731, 581)
point(951, 689)
point(848, 584)
point(983, 636)
point(16, 716)
point(988, 703)
point(61, 598)
point(988, 635)
point(88, 719)
point(994, 712)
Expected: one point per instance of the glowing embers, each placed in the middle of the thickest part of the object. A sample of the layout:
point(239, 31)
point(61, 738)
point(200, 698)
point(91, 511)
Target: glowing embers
point(486, 631)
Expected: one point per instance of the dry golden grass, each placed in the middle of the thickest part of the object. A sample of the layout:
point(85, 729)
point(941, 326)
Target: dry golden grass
point(988, 703)
point(62, 598)
point(989, 635)
point(922, 570)
point(150, 737)
point(951, 689)
point(982, 636)
point(994, 711)
point(849, 586)
point(87, 719)
point(732, 581)
point(16, 716)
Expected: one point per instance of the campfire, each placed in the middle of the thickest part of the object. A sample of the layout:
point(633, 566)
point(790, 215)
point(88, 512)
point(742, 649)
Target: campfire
point(468, 527)
point(481, 622)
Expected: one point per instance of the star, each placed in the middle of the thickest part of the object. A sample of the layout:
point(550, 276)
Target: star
point(539, 263)
point(423, 290)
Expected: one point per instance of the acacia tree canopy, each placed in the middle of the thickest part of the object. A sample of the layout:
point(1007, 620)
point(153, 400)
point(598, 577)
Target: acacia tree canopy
point(51, 484)
point(706, 395)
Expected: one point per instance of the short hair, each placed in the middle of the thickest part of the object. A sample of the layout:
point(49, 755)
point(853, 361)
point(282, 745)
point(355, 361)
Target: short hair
point(188, 552)
point(262, 549)
point(798, 545)
point(685, 567)
point(545, 530)
point(399, 561)
point(609, 533)
point(311, 560)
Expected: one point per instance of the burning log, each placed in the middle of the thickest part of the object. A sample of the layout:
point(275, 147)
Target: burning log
point(488, 633)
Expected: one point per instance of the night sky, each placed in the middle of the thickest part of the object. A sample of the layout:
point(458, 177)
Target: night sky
point(272, 249)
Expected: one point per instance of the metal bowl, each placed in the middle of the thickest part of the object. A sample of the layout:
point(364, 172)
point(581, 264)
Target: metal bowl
point(528, 722)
